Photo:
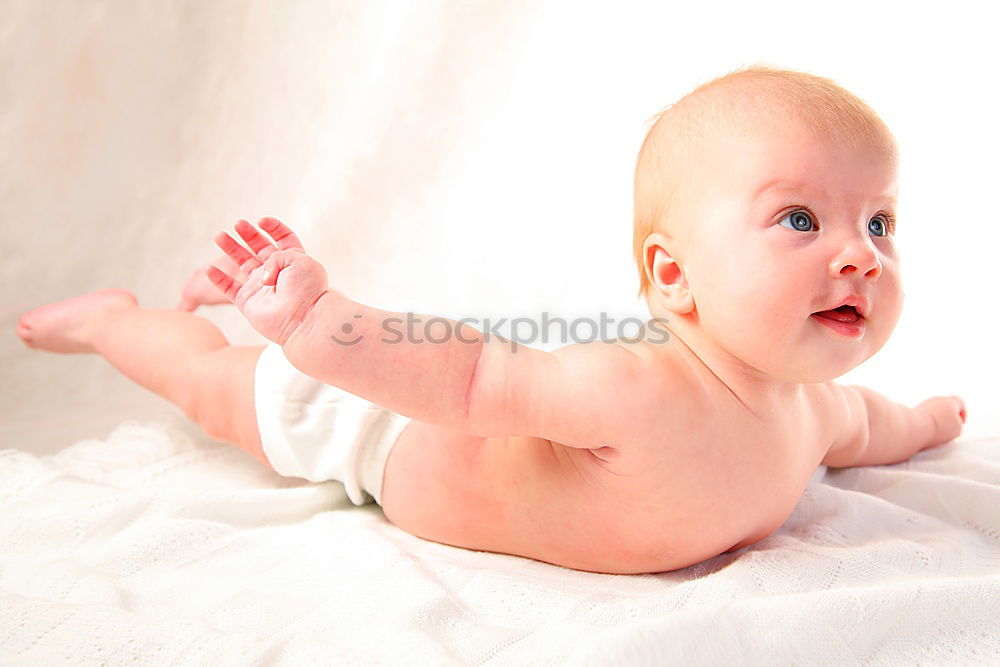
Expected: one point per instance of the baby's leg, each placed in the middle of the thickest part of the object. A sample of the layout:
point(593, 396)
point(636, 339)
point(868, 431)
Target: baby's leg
point(178, 355)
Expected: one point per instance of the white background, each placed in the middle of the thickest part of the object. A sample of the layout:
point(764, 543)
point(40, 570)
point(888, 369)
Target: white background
point(466, 160)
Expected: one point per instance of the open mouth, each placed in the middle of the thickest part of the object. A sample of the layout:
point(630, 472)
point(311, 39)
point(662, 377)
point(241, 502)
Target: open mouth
point(845, 314)
point(845, 320)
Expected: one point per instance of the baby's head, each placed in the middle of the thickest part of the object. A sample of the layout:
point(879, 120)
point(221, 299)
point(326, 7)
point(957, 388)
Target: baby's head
point(762, 197)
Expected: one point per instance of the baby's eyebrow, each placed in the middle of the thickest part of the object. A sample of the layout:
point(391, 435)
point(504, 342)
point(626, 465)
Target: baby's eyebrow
point(779, 183)
point(775, 183)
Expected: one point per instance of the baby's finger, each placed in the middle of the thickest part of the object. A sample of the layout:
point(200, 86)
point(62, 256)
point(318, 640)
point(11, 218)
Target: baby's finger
point(257, 241)
point(281, 233)
point(236, 252)
point(961, 408)
point(271, 269)
point(223, 281)
point(230, 267)
point(275, 264)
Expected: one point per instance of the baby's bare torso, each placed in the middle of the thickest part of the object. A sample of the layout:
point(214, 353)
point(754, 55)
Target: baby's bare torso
point(706, 475)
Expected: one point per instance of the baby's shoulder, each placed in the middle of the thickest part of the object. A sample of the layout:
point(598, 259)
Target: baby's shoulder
point(824, 404)
point(653, 346)
point(658, 366)
point(823, 398)
point(650, 340)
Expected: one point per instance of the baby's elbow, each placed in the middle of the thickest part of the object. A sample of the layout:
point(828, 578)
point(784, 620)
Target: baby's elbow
point(852, 414)
point(848, 454)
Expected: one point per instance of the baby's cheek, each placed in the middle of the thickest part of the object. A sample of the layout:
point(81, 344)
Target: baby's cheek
point(889, 305)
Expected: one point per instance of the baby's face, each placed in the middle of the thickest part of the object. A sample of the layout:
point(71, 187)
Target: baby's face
point(787, 227)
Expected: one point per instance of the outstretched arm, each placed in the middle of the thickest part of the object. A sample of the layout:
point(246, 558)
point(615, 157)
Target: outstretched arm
point(433, 369)
point(877, 431)
point(448, 373)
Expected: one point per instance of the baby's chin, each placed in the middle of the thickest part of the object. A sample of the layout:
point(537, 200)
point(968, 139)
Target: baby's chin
point(813, 370)
point(800, 363)
point(802, 360)
point(817, 359)
point(813, 376)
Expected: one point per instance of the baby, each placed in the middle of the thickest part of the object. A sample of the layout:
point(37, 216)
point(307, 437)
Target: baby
point(764, 237)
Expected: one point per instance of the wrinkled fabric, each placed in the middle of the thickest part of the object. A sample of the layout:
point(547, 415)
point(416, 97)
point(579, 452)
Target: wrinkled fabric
point(150, 547)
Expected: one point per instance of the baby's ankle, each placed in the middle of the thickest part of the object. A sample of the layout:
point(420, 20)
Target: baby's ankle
point(102, 314)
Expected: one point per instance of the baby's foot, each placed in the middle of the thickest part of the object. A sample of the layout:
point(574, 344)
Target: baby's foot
point(199, 290)
point(62, 326)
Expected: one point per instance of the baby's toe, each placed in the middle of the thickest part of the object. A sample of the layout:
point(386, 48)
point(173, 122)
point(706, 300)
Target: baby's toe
point(24, 332)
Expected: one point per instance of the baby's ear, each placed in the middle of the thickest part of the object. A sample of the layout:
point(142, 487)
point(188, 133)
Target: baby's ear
point(666, 276)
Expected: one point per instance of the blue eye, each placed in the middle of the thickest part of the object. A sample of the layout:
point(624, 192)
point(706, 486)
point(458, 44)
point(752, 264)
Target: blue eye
point(879, 228)
point(801, 221)
point(798, 221)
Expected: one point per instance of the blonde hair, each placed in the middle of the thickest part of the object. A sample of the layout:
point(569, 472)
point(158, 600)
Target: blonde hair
point(737, 102)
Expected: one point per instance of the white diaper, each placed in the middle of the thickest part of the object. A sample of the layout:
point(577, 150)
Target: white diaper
point(319, 432)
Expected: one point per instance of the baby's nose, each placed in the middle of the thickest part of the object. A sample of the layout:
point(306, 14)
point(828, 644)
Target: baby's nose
point(858, 257)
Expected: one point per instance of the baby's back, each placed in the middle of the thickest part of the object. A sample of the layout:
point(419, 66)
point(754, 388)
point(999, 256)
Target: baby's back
point(695, 474)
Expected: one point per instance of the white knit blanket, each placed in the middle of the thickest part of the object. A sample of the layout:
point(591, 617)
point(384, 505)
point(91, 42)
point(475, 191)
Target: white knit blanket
point(151, 548)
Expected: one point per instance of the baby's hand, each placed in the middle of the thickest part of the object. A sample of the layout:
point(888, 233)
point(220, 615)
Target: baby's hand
point(948, 415)
point(283, 283)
